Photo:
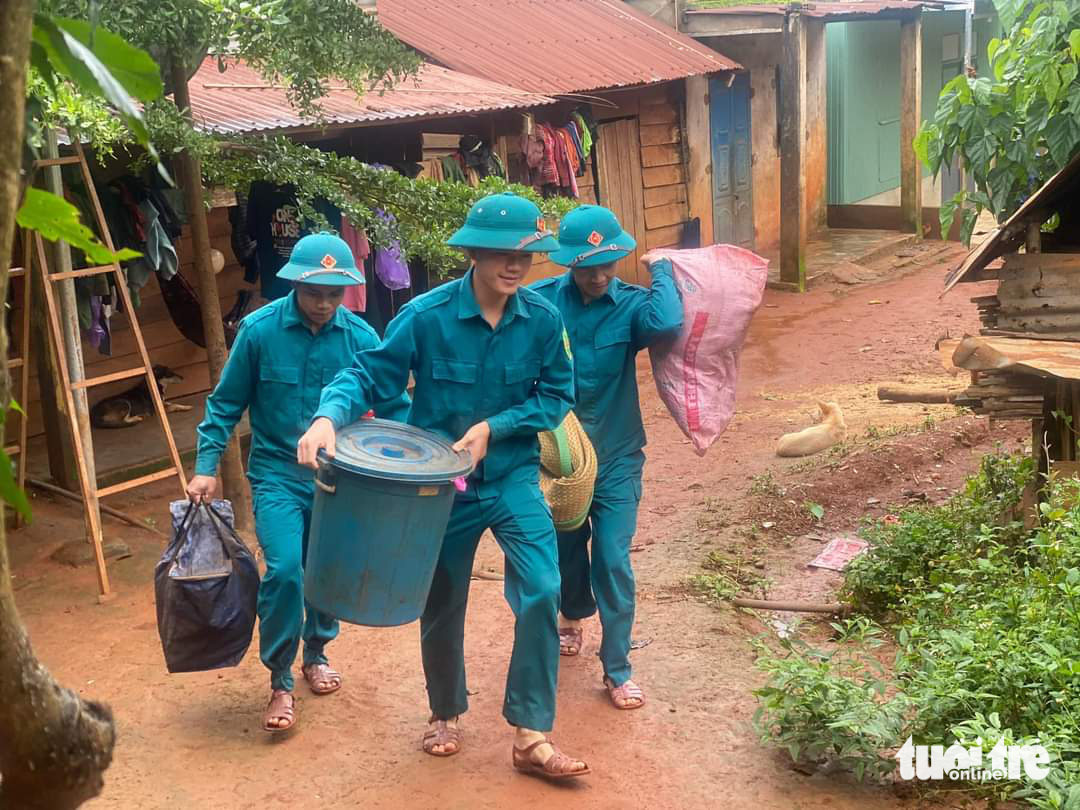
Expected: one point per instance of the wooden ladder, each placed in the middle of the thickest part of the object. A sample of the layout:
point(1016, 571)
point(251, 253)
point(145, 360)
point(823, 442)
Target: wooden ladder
point(22, 365)
point(90, 491)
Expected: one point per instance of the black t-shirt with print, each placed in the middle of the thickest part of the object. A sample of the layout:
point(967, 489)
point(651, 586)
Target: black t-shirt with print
point(274, 222)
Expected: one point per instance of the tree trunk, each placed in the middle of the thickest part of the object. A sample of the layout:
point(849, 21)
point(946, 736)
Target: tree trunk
point(54, 747)
point(190, 177)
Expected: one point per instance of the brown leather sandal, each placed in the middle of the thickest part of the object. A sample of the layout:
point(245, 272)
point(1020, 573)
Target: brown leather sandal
point(570, 641)
point(321, 678)
point(558, 765)
point(626, 692)
point(282, 706)
point(444, 735)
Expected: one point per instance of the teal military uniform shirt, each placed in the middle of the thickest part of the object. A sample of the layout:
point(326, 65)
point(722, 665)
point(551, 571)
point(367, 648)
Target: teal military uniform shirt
point(277, 369)
point(605, 337)
point(518, 376)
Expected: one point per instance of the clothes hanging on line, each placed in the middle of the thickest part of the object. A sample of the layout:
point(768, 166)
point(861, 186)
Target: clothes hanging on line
point(276, 225)
point(356, 294)
point(243, 246)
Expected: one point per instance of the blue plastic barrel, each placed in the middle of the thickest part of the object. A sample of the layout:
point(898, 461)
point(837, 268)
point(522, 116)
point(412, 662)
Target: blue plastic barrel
point(381, 509)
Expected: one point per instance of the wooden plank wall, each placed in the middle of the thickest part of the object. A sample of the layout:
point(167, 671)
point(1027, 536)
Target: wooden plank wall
point(164, 342)
point(663, 166)
point(1037, 294)
point(663, 176)
point(619, 159)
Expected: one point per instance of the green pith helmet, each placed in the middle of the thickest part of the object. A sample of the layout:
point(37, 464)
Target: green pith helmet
point(322, 258)
point(505, 222)
point(591, 235)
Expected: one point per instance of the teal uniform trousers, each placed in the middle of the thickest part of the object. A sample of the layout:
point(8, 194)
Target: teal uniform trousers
point(605, 335)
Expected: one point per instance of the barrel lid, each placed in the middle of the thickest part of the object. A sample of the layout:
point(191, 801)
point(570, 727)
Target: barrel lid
point(398, 452)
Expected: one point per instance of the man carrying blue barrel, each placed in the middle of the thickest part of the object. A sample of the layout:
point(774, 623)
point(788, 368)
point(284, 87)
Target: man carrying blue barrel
point(608, 322)
point(492, 368)
point(285, 352)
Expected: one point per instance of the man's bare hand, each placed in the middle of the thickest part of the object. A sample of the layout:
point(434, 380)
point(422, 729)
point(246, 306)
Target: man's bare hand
point(647, 260)
point(475, 441)
point(202, 488)
point(320, 436)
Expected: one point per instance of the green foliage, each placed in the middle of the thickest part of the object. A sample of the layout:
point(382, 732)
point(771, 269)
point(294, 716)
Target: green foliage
point(816, 510)
point(928, 543)
point(1012, 130)
point(302, 43)
point(984, 616)
point(55, 218)
point(427, 212)
point(99, 64)
point(60, 106)
point(306, 42)
point(830, 706)
point(10, 492)
point(728, 576)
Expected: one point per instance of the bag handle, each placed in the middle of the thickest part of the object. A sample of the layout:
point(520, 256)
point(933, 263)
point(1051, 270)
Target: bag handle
point(181, 532)
point(229, 539)
point(562, 444)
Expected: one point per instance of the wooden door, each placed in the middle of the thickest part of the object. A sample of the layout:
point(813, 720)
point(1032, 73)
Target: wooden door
point(729, 124)
point(619, 187)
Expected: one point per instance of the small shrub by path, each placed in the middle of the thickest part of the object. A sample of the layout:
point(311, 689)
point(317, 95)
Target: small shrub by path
point(985, 618)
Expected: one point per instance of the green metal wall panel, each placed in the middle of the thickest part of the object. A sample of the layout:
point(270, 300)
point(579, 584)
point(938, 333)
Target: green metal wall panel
point(864, 96)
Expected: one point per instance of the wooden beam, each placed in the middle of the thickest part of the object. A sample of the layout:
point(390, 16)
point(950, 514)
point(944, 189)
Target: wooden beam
point(1033, 239)
point(59, 440)
point(699, 156)
point(910, 121)
point(793, 224)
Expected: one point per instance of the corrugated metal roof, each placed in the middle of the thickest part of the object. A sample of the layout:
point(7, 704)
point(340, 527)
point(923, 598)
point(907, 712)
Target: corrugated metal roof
point(241, 100)
point(854, 8)
point(1039, 207)
point(550, 46)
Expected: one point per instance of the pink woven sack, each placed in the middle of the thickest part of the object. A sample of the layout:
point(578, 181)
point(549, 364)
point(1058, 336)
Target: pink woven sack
point(695, 374)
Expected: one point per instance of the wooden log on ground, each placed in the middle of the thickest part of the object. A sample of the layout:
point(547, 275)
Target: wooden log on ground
point(795, 607)
point(108, 510)
point(911, 393)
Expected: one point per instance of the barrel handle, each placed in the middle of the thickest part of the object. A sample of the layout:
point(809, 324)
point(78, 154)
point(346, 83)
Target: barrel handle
point(328, 488)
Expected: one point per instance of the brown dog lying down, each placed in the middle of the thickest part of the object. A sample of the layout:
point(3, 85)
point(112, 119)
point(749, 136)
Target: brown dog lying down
point(831, 430)
point(134, 405)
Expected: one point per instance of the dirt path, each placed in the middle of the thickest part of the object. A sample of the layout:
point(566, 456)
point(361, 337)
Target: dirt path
point(194, 741)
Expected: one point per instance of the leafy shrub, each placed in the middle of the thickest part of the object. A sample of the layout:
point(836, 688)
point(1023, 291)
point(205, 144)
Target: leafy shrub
point(985, 617)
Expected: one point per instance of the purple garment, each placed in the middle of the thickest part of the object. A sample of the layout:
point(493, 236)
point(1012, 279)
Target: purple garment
point(98, 333)
point(390, 264)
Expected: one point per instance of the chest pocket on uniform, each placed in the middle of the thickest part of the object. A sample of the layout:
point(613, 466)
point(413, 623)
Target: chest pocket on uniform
point(523, 370)
point(279, 391)
point(612, 346)
point(286, 375)
point(459, 371)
